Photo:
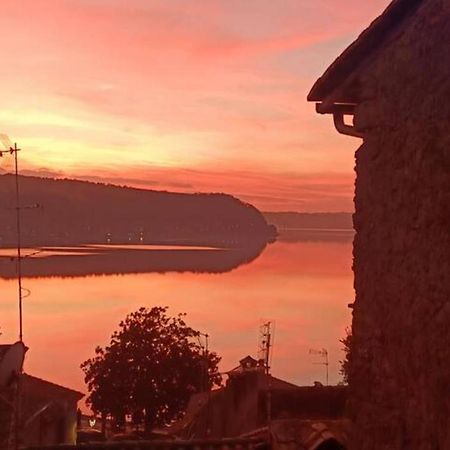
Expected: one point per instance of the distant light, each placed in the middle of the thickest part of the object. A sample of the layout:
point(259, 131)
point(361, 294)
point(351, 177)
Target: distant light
point(92, 422)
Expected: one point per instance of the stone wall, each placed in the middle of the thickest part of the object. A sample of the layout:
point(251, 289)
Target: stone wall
point(400, 363)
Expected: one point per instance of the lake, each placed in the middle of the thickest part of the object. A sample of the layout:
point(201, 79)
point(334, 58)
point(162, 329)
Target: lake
point(303, 283)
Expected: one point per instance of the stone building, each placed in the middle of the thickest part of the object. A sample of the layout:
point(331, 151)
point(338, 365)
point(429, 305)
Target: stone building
point(395, 82)
point(256, 404)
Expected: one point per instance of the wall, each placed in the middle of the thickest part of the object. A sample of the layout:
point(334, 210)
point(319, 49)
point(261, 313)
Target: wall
point(400, 364)
point(232, 410)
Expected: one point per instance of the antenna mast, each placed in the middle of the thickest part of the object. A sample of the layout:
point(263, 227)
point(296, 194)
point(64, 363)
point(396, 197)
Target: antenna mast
point(13, 150)
point(265, 345)
point(324, 354)
point(19, 243)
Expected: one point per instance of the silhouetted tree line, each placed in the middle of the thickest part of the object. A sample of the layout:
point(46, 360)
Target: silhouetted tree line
point(71, 212)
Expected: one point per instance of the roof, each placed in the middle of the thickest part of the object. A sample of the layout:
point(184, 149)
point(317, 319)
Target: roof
point(301, 434)
point(277, 383)
point(297, 434)
point(195, 404)
point(310, 402)
point(3, 349)
point(368, 42)
point(39, 383)
point(248, 359)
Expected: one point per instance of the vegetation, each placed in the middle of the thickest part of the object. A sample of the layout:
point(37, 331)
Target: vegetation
point(345, 363)
point(150, 369)
point(75, 212)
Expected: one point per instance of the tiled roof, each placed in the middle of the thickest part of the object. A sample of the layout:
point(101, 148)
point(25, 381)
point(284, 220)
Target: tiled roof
point(39, 381)
point(369, 41)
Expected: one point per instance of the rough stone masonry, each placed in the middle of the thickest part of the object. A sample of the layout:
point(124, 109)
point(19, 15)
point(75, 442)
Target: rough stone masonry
point(400, 359)
point(400, 368)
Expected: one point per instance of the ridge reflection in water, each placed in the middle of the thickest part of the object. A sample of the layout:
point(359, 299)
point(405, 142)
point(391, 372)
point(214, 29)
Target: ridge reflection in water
point(108, 260)
point(303, 286)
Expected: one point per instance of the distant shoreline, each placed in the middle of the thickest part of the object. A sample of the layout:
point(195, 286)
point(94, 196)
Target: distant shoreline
point(325, 230)
point(289, 221)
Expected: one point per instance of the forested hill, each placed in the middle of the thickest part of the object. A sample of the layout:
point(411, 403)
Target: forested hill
point(73, 212)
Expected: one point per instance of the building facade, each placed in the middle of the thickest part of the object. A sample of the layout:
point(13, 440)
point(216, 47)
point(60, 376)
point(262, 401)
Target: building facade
point(395, 82)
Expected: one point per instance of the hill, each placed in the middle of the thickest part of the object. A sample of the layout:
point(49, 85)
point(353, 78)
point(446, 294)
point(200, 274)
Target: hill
point(73, 212)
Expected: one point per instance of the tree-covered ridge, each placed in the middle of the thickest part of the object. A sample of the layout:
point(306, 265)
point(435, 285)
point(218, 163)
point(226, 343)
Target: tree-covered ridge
point(73, 212)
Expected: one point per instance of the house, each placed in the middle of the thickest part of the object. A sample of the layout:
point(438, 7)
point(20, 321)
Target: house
point(394, 81)
point(48, 412)
point(251, 399)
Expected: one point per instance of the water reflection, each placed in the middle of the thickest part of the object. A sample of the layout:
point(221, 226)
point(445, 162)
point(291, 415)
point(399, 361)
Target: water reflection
point(109, 260)
point(316, 235)
point(304, 286)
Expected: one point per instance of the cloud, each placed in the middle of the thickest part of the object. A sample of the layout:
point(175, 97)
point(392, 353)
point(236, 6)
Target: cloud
point(272, 191)
point(182, 84)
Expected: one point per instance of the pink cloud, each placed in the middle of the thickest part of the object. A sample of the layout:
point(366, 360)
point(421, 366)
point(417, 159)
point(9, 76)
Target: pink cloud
point(234, 74)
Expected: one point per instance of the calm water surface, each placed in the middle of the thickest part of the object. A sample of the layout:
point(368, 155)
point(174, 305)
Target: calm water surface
point(303, 286)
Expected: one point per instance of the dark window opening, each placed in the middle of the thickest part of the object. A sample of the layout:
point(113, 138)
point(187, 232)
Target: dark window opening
point(330, 444)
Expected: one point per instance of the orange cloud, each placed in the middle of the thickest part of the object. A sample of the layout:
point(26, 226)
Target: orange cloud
point(91, 85)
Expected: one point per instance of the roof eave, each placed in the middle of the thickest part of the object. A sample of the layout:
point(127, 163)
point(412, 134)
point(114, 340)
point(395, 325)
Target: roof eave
point(369, 40)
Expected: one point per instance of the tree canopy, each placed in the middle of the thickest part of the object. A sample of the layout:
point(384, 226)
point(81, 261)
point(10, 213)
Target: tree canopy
point(151, 367)
point(345, 363)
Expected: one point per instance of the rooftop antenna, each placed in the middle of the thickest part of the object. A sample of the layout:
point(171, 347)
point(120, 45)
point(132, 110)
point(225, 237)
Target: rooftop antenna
point(265, 351)
point(13, 150)
point(324, 354)
point(266, 345)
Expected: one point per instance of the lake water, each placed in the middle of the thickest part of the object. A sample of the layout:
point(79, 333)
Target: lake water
point(302, 283)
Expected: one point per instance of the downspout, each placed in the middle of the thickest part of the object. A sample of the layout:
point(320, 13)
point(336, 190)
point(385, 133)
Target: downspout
point(343, 128)
point(339, 110)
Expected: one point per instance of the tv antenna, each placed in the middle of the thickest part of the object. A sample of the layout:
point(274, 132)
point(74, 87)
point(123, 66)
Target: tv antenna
point(323, 353)
point(14, 150)
point(265, 353)
point(266, 341)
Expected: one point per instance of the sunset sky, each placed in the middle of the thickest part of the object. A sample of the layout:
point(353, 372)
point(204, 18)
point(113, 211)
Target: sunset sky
point(186, 95)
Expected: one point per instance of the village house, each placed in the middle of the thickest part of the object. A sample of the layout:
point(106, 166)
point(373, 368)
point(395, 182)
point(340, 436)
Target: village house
point(48, 412)
point(394, 81)
point(254, 404)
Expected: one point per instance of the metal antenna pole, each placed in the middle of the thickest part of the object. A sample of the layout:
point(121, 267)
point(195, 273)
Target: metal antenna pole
point(324, 354)
point(16, 420)
point(19, 244)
